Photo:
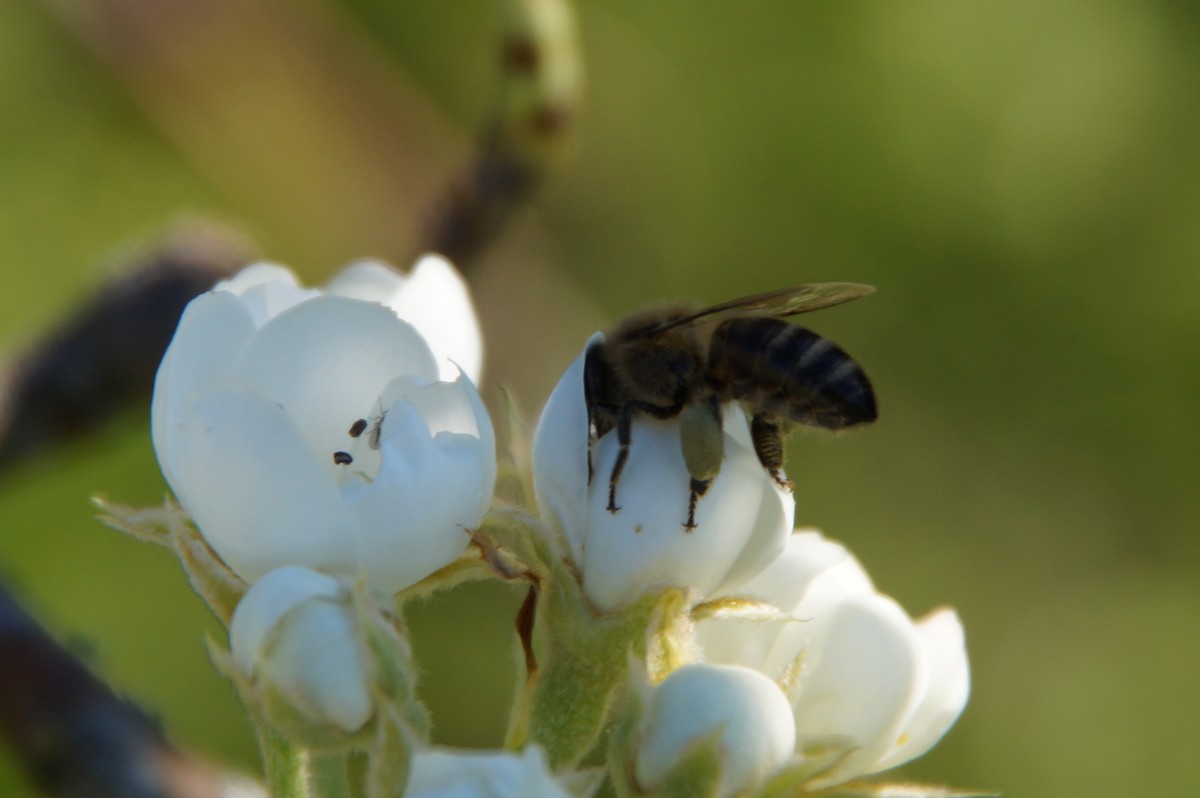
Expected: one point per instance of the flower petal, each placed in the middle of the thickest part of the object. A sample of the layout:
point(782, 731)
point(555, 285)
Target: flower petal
point(212, 330)
point(326, 359)
point(948, 684)
point(645, 545)
point(861, 681)
point(433, 298)
point(783, 583)
point(432, 488)
point(450, 407)
point(317, 659)
point(255, 490)
point(272, 597)
point(560, 455)
point(266, 290)
point(774, 516)
point(256, 274)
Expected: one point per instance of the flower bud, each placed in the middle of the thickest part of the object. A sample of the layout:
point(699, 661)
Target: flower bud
point(743, 712)
point(294, 635)
point(741, 522)
point(460, 774)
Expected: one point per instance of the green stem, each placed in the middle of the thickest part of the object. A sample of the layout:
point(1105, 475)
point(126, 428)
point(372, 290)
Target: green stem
point(327, 776)
point(582, 659)
point(284, 766)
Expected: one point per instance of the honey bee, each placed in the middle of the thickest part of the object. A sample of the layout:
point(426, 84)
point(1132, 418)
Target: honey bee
point(669, 361)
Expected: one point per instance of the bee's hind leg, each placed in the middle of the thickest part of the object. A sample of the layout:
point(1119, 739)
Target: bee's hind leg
point(767, 434)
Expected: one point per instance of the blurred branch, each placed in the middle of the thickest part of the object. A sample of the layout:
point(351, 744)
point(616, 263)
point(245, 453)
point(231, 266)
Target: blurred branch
point(541, 72)
point(73, 737)
point(103, 358)
point(287, 108)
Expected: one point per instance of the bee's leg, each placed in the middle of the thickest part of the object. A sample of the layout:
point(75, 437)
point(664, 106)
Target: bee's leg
point(624, 436)
point(699, 488)
point(767, 434)
point(591, 471)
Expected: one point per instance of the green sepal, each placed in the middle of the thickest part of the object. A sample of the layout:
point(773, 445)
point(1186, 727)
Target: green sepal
point(697, 773)
point(739, 608)
point(169, 526)
point(814, 762)
point(393, 671)
point(514, 477)
point(390, 755)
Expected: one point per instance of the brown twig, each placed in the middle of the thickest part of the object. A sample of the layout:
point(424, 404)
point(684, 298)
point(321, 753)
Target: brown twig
point(537, 105)
point(72, 736)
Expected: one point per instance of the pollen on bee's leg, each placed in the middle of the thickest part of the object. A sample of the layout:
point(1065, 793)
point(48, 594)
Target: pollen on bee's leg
point(780, 479)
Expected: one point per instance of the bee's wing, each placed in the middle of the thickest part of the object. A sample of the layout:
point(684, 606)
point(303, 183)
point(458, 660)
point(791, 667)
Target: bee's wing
point(779, 303)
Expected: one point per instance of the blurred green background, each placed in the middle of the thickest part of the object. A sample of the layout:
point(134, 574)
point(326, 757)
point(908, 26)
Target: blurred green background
point(1021, 181)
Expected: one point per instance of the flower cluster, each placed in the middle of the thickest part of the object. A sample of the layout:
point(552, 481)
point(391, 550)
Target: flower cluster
point(331, 455)
point(857, 677)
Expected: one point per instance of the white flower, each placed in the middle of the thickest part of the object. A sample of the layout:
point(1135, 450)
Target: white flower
point(252, 414)
point(746, 712)
point(460, 774)
point(295, 630)
point(863, 671)
point(742, 522)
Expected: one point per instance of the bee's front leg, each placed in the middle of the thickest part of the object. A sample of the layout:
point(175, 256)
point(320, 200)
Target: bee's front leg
point(624, 437)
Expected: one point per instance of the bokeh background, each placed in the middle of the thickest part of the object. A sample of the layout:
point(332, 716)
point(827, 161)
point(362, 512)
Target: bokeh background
point(1021, 180)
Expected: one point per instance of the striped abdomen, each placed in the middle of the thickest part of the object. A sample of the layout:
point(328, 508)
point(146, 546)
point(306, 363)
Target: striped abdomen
point(790, 372)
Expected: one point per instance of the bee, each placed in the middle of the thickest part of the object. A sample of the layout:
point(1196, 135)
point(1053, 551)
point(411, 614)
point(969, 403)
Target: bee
point(671, 362)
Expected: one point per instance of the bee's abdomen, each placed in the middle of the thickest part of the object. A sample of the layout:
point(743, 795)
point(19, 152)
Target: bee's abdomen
point(788, 371)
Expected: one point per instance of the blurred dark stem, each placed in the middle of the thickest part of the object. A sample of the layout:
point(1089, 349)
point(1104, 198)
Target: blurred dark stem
point(536, 107)
point(71, 735)
point(102, 358)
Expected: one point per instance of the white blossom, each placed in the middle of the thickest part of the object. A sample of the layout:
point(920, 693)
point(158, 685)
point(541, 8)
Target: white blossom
point(858, 667)
point(447, 773)
point(295, 630)
point(742, 522)
point(252, 414)
point(746, 713)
